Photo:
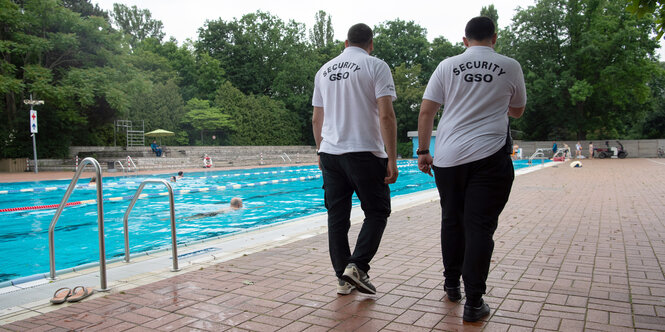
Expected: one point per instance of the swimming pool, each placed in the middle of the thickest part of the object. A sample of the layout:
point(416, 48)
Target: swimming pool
point(270, 195)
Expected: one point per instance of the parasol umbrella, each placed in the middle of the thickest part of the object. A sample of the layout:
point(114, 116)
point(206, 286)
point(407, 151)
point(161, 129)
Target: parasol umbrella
point(159, 133)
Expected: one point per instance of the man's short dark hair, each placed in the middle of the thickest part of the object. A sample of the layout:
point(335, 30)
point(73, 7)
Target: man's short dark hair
point(479, 28)
point(360, 35)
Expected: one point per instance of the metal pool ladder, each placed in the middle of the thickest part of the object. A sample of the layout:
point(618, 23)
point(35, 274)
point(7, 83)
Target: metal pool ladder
point(100, 220)
point(118, 162)
point(174, 243)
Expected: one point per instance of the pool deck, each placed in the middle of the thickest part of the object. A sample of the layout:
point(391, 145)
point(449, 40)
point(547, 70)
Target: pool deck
point(576, 249)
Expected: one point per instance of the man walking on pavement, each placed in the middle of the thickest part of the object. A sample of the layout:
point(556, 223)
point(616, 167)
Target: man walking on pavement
point(353, 119)
point(472, 167)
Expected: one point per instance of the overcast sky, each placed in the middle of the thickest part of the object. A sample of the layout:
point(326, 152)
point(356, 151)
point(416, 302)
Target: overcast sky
point(182, 18)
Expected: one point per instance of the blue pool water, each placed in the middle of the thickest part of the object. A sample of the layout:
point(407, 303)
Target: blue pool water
point(270, 195)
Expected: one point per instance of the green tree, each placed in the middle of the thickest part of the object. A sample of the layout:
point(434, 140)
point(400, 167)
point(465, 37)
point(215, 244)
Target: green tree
point(397, 42)
point(163, 107)
point(322, 34)
point(653, 124)
point(198, 76)
point(409, 89)
point(440, 49)
point(293, 86)
point(85, 8)
point(210, 76)
point(492, 13)
point(258, 120)
point(137, 24)
point(202, 117)
point(254, 49)
point(645, 7)
point(41, 43)
point(586, 63)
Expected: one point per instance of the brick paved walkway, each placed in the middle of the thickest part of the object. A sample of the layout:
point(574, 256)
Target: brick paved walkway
point(576, 249)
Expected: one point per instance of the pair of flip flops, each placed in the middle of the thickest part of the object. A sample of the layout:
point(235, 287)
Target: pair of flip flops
point(65, 294)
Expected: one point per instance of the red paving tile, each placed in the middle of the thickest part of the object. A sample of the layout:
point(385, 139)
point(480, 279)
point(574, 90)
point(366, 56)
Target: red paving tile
point(576, 249)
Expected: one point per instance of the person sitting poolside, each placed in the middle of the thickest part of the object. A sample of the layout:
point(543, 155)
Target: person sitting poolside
point(156, 149)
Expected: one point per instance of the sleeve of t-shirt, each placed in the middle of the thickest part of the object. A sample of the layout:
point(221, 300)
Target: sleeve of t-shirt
point(384, 84)
point(317, 99)
point(434, 89)
point(518, 98)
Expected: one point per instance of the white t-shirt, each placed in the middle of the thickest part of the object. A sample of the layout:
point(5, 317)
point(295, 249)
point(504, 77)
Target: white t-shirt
point(476, 89)
point(347, 88)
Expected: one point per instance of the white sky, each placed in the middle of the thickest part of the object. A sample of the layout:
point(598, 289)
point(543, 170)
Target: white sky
point(445, 18)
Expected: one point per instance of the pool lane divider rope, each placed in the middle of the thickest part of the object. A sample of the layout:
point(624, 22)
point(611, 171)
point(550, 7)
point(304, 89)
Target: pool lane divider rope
point(115, 184)
point(178, 191)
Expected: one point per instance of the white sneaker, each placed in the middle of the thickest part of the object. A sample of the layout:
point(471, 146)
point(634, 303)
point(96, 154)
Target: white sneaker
point(344, 287)
point(360, 279)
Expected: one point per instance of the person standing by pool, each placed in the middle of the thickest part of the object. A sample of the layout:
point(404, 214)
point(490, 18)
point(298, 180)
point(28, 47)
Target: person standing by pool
point(473, 171)
point(578, 150)
point(554, 148)
point(353, 119)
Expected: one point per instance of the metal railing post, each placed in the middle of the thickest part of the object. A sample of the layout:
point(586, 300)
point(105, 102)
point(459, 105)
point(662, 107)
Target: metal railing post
point(100, 220)
point(174, 243)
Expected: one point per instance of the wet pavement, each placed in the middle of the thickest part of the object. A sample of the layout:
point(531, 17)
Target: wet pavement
point(576, 249)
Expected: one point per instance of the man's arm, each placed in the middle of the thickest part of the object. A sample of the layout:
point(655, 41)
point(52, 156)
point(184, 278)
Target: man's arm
point(428, 110)
point(317, 125)
point(516, 112)
point(389, 135)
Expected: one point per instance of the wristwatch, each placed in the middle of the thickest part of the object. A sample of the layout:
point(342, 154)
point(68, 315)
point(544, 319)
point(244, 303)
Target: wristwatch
point(421, 152)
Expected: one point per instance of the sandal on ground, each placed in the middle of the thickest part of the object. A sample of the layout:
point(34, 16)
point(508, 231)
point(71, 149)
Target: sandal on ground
point(79, 293)
point(61, 295)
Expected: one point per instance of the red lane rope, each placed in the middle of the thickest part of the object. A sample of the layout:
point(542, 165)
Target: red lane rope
point(38, 207)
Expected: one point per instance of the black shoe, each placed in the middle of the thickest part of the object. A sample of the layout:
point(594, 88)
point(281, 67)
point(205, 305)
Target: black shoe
point(454, 294)
point(474, 314)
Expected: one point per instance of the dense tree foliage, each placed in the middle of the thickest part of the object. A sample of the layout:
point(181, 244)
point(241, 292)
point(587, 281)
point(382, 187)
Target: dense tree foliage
point(589, 65)
point(646, 7)
point(137, 24)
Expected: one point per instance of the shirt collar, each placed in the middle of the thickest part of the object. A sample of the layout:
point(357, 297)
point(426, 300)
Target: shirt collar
point(479, 49)
point(355, 49)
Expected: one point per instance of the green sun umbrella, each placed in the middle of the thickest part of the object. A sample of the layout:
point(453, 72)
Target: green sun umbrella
point(159, 133)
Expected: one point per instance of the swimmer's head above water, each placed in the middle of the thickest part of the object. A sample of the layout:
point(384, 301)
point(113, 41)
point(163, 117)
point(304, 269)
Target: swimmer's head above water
point(236, 203)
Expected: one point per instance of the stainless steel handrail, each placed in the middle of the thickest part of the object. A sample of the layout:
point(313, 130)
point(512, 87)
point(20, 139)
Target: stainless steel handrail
point(173, 230)
point(538, 153)
point(121, 166)
point(100, 220)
